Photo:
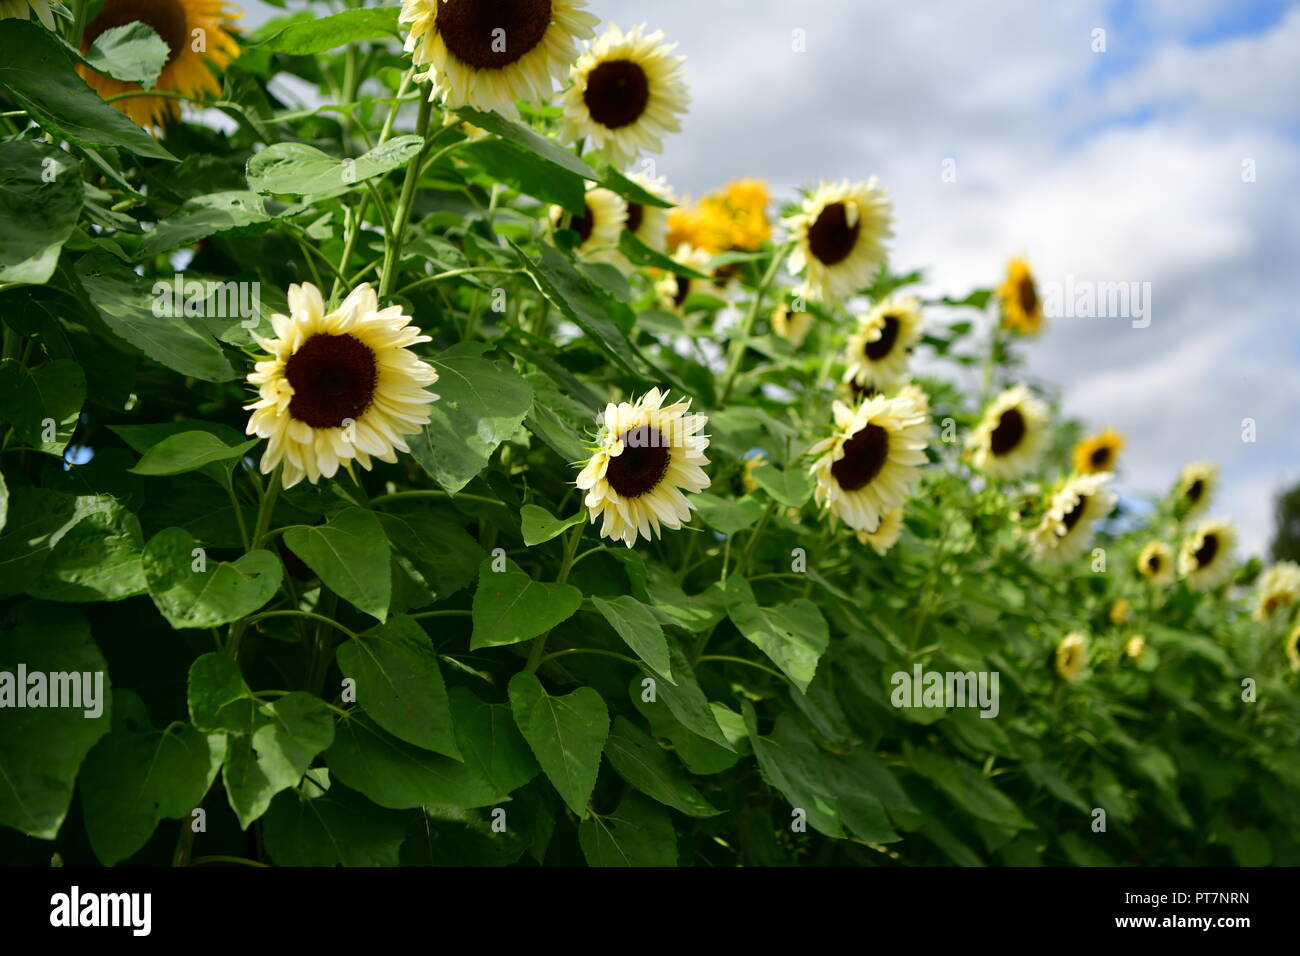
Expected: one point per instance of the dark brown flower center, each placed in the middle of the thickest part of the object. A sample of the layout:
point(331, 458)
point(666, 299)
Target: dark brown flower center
point(683, 290)
point(585, 223)
point(1100, 457)
point(617, 93)
point(831, 238)
point(492, 35)
point(333, 379)
point(166, 17)
point(1027, 295)
point(1071, 517)
point(865, 455)
point(643, 463)
point(1208, 549)
point(1009, 432)
point(1195, 490)
point(1154, 563)
point(634, 213)
point(885, 344)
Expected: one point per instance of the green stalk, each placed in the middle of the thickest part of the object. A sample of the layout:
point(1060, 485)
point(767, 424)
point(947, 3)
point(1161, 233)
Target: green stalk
point(741, 340)
point(570, 549)
point(393, 248)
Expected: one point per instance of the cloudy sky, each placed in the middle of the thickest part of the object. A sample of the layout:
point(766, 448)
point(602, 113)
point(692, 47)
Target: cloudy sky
point(1164, 151)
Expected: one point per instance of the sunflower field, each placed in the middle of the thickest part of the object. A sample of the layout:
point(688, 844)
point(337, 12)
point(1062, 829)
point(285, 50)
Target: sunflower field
point(415, 478)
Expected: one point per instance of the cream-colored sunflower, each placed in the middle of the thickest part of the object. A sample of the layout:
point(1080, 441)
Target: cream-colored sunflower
point(628, 93)
point(338, 387)
point(1022, 309)
point(675, 290)
point(1135, 647)
point(1072, 656)
point(839, 233)
point(1205, 559)
point(1195, 486)
point(1067, 528)
point(1156, 563)
point(791, 325)
point(1279, 588)
point(646, 456)
point(1098, 453)
point(490, 54)
point(916, 395)
point(199, 34)
point(1293, 648)
point(864, 468)
point(650, 223)
point(1120, 611)
point(22, 10)
point(598, 228)
point(1011, 436)
point(877, 352)
point(886, 534)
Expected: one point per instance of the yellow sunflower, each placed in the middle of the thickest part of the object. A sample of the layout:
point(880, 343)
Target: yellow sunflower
point(675, 290)
point(1156, 563)
point(791, 325)
point(338, 387)
point(650, 223)
point(199, 34)
point(1098, 453)
point(1066, 529)
point(1119, 611)
point(1293, 648)
point(864, 468)
point(22, 10)
point(1011, 436)
point(627, 94)
point(917, 395)
point(1205, 560)
point(598, 228)
point(839, 232)
point(1279, 587)
point(1135, 647)
point(646, 456)
point(1195, 486)
point(1072, 656)
point(886, 534)
point(490, 54)
point(739, 212)
point(877, 352)
point(1022, 310)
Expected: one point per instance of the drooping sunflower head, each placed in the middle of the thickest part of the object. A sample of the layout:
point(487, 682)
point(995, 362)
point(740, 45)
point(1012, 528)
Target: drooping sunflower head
point(1098, 453)
point(1205, 559)
point(199, 36)
point(628, 93)
point(1067, 526)
point(790, 324)
point(675, 290)
point(490, 54)
point(647, 455)
point(338, 387)
point(1072, 656)
point(22, 10)
point(1278, 589)
point(886, 534)
point(874, 453)
point(1293, 648)
point(600, 225)
point(1011, 436)
point(650, 223)
point(1022, 309)
point(1195, 486)
point(839, 233)
point(877, 352)
point(1156, 563)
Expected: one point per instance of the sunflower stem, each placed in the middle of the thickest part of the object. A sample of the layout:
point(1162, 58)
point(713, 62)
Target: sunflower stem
point(741, 341)
point(393, 248)
point(570, 549)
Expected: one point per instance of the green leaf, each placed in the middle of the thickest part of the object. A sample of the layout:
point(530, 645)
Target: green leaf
point(399, 684)
point(138, 775)
point(566, 734)
point(271, 746)
point(793, 635)
point(133, 53)
point(351, 555)
point(481, 404)
point(96, 559)
point(521, 135)
point(214, 682)
point(38, 518)
point(437, 548)
point(686, 701)
point(727, 516)
point(300, 170)
point(41, 748)
point(527, 172)
point(236, 211)
point(188, 451)
point(648, 767)
point(306, 37)
point(638, 833)
point(640, 254)
point(125, 301)
point(4, 502)
point(967, 788)
point(337, 827)
point(41, 193)
point(42, 402)
point(191, 590)
point(791, 488)
point(640, 630)
point(632, 191)
point(510, 607)
point(491, 742)
point(539, 525)
point(39, 75)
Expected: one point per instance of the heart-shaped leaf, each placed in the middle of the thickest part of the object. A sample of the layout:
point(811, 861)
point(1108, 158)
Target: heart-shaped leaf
point(510, 607)
point(192, 591)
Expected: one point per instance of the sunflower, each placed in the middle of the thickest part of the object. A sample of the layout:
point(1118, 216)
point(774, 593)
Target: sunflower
point(1156, 563)
point(864, 467)
point(1022, 309)
point(1066, 529)
point(198, 34)
point(1205, 560)
point(791, 325)
point(886, 534)
point(650, 223)
point(1098, 453)
point(839, 233)
point(338, 387)
point(1072, 656)
point(877, 352)
point(1135, 647)
point(675, 290)
point(1011, 436)
point(598, 228)
point(1120, 611)
point(627, 94)
point(917, 395)
point(22, 10)
point(1293, 648)
point(490, 54)
point(738, 211)
point(1195, 485)
point(647, 455)
point(1279, 587)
